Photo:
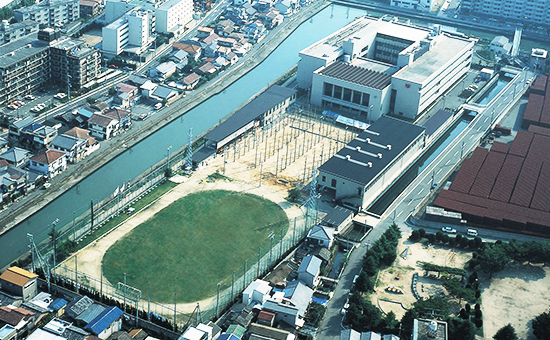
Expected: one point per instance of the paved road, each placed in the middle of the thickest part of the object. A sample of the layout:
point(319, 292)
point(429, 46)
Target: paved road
point(413, 196)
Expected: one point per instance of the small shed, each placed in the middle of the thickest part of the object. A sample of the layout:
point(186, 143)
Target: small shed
point(19, 282)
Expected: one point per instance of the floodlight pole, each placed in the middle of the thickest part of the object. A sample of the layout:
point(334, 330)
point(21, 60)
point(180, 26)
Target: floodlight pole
point(218, 301)
point(259, 260)
point(124, 301)
point(271, 248)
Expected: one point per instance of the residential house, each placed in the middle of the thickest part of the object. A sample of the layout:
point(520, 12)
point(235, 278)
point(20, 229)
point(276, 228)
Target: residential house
point(193, 333)
point(49, 162)
point(16, 156)
point(130, 90)
point(320, 236)
point(259, 331)
point(285, 7)
point(210, 39)
point(163, 93)
point(37, 135)
point(88, 314)
point(91, 143)
point(227, 42)
point(266, 318)
point(240, 2)
point(77, 306)
point(138, 334)
point(339, 218)
point(291, 305)
point(309, 270)
point(19, 318)
point(12, 180)
point(148, 88)
point(103, 127)
point(220, 62)
point(207, 329)
point(254, 30)
point(73, 147)
point(239, 314)
point(63, 329)
point(193, 50)
point(211, 50)
point(58, 306)
point(70, 119)
point(204, 31)
point(224, 27)
point(205, 68)
point(19, 282)
point(4, 145)
point(249, 10)
point(228, 336)
point(8, 333)
point(106, 323)
point(231, 58)
point(191, 81)
point(271, 18)
point(179, 56)
point(164, 70)
point(123, 116)
point(16, 126)
point(236, 330)
point(139, 80)
point(257, 291)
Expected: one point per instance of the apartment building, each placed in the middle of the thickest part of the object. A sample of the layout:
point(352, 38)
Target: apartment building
point(74, 63)
point(10, 32)
point(50, 13)
point(537, 11)
point(130, 35)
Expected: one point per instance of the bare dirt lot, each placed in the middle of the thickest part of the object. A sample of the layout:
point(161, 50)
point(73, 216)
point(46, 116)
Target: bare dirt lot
point(92, 37)
point(515, 295)
point(400, 275)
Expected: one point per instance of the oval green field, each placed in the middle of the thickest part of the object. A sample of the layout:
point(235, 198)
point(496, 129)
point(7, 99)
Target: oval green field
point(194, 243)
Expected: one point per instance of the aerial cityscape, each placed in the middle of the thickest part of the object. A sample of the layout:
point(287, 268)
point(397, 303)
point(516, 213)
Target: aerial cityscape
point(274, 169)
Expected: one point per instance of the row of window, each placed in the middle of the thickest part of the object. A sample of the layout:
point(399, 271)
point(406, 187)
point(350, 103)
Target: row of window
point(345, 94)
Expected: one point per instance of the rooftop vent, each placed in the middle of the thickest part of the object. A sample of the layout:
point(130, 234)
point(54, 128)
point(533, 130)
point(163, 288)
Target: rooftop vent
point(389, 146)
point(369, 164)
point(358, 148)
point(380, 155)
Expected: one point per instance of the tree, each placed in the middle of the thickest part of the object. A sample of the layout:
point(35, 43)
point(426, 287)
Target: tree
point(422, 232)
point(460, 329)
point(370, 265)
point(493, 259)
point(415, 235)
point(541, 326)
point(364, 283)
point(294, 195)
point(506, 333)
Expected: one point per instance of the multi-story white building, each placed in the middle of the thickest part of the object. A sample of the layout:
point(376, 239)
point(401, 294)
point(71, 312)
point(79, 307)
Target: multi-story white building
point(50, 13)
point(130, 35)
point(421, 5)
point(373, 67)
point(532, 10)
point(171, 16)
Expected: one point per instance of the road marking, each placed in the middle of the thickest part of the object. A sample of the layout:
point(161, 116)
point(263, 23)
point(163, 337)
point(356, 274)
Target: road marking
point(506, 98)
point(456, 153)
point(486, 118)
point(439, 171)
point(410, 202)
point(471, 137)
point(479, 129)
point(421, 191)
point(449, 161)
point(499, 104)
point(399, 214)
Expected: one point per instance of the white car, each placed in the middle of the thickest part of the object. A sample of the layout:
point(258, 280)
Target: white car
point(60, 95)
point(29, 97)
point(448, 230)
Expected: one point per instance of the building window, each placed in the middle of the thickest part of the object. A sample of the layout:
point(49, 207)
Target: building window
point(324, 178)
point(333, 183)
point(347, 95)
point(337, 92)
point(327, 91)
point(366, 99)
point(356, 97)
point(359, 191)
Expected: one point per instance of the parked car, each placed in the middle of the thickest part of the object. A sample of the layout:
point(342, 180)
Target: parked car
point(29, 97)
point(158, 106)
point(472, 232)
point(448, 230)
point(60, 95)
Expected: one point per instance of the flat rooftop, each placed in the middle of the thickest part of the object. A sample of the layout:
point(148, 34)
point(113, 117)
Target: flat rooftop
point(445, 49)
point(360, 162)
point(21, 49)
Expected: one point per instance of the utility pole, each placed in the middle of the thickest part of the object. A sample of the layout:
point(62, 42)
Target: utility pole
point(218, 301)
point(271, 248)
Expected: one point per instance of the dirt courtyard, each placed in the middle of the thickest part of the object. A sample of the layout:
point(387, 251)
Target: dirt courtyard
point(515, 295)
point(400, 275)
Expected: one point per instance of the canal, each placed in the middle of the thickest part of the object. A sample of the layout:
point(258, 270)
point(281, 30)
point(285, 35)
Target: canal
point(150, 151)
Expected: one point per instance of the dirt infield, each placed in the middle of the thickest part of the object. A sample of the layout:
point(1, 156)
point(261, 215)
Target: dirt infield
point(515, 295)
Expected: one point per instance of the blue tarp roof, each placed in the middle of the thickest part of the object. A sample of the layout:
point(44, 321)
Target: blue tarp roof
point(104, 320)
point(58, 304)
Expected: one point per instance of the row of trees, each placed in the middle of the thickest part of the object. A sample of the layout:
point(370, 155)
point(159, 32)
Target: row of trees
point(441, 238)
point(362, 315)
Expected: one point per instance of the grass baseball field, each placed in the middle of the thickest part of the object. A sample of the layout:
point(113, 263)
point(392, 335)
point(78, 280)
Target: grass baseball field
point(194, 243)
